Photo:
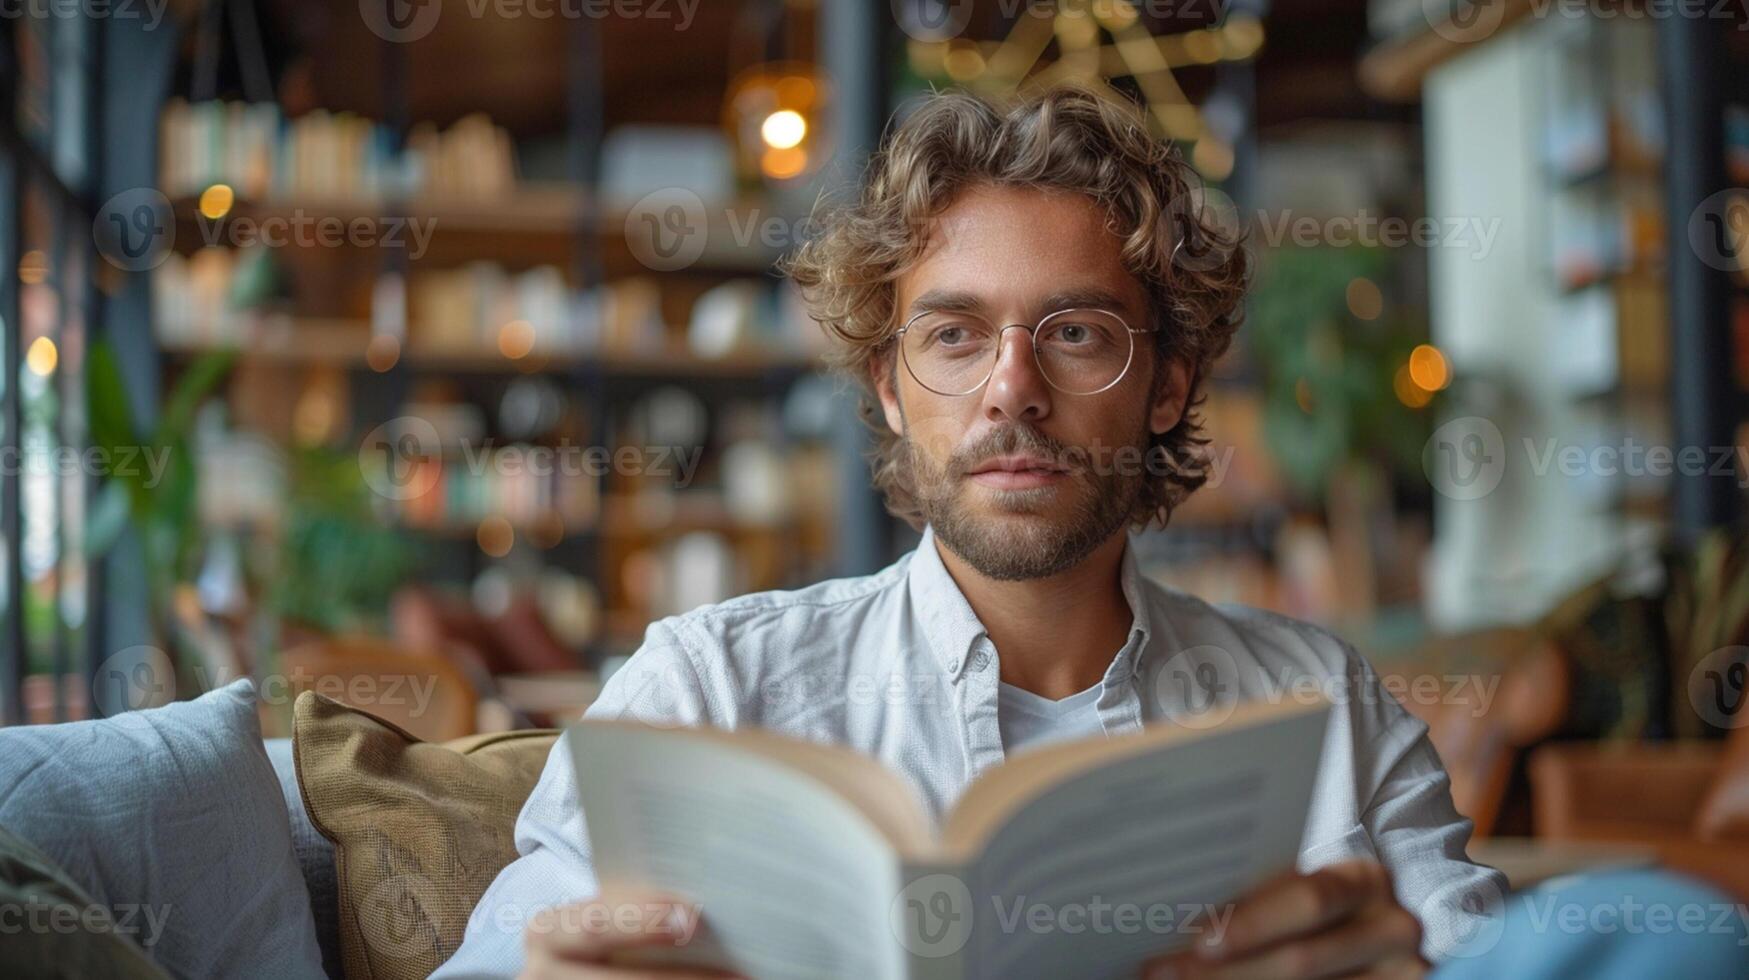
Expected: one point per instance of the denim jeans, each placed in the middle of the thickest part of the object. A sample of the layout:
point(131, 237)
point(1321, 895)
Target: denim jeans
point(1607, 926)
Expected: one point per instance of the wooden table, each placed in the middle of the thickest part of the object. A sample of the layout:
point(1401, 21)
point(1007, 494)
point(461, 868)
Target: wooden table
point(1528, 861)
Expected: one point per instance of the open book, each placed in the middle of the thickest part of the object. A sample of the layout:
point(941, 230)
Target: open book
point(1083, 859)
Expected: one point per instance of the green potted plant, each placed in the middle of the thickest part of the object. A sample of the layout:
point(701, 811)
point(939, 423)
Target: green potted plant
point(163, 512)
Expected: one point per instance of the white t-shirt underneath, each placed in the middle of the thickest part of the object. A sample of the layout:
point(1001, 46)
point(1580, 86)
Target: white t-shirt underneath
point(1028, 720)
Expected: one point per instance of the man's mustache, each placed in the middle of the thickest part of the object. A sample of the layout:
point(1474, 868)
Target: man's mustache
point(1007, 441)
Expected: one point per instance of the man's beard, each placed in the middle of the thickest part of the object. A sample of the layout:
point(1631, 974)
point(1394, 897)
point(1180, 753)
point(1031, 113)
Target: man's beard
point(1099, 504)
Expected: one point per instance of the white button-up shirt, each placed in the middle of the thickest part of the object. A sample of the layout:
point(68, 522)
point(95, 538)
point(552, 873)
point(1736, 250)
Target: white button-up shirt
point(897, 665)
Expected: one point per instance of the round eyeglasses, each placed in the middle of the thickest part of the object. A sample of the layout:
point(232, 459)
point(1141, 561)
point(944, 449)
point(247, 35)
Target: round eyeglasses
point(1079, 352)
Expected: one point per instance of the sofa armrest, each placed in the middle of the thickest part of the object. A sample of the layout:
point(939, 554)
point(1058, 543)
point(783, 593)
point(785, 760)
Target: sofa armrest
point(1591, 791)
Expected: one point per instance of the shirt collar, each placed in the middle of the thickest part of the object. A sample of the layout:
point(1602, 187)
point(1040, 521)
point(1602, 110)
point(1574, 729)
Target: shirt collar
point(1127, 663)
point(949, 624)
point(952, 627)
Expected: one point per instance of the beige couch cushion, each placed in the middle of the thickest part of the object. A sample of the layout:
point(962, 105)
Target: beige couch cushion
point(419, 829)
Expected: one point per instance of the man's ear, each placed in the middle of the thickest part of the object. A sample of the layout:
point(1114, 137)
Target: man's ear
point(1170, 394)
point(885, 384)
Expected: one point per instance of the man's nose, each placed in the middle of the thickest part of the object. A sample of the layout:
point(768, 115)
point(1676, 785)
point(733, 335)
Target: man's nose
point(1017, 389)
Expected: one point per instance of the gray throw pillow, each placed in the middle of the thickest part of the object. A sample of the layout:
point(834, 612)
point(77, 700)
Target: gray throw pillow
point(171, 816)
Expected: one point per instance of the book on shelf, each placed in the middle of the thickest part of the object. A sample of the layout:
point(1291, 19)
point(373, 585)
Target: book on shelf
point(811, 860)
point(326, 156)
point(523, 484)
point(482, 306)
point(1737, 143)
point(1740, 341)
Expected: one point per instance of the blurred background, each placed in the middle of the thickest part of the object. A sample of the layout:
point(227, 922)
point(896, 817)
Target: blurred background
point(347, 335)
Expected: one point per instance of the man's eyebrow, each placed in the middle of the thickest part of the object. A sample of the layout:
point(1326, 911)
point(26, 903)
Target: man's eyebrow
point(1091, 298)
point(960, 301)
point(946, 301)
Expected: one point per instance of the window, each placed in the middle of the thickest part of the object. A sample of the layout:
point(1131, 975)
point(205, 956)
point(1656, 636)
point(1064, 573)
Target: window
point(46, 300)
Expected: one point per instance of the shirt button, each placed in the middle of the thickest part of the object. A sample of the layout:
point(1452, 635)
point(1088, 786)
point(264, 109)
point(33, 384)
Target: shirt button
point(980, 661)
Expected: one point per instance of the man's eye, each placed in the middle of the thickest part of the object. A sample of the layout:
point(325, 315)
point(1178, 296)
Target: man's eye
point(954, 336)
point(1077, 335)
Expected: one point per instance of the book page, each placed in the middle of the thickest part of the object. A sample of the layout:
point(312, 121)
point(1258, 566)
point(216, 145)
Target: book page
point(791, 879)
point(1092, 871)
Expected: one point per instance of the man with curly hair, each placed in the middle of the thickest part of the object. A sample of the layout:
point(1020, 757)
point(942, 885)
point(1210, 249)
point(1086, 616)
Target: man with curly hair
point(1031, 297)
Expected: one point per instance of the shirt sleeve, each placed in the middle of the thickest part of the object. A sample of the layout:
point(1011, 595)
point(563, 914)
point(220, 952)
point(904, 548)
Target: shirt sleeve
point(660, 685)
point(1417, 832)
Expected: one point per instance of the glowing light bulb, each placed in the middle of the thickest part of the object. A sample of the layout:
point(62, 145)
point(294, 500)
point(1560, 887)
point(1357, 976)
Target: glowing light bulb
point(216, 201)
point(783, 129)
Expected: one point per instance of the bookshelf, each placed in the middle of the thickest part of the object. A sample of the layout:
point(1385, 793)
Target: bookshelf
point(1594, 322)
point(346, 343)
point(516, 289)
point(1604, 193)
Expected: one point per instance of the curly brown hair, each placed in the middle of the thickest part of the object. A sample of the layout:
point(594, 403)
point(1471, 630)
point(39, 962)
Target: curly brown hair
point(1193, 269)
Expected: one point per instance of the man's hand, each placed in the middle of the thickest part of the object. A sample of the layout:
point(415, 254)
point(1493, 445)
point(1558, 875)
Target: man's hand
point(586, 939)
point(1339, 921)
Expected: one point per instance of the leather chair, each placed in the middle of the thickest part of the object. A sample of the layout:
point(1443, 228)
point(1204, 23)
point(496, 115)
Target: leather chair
point(1499, 692)
point(1687, 801)
point(424, 694)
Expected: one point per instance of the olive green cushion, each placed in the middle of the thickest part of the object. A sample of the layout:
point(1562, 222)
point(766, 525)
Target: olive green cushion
point(53, 929)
